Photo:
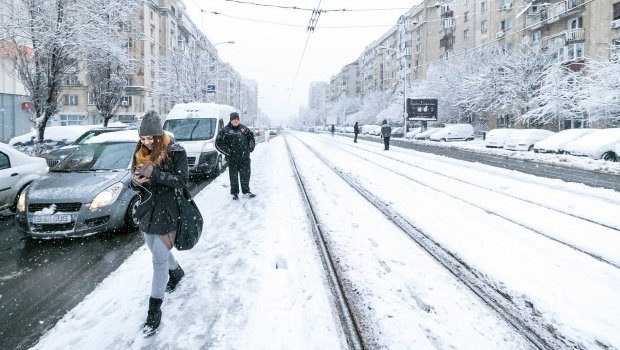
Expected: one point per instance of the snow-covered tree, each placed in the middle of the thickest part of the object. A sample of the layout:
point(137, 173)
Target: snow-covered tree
point(556, 96)
point(185, 74)
point(48, 38)
point(106, 68)
point(601, 90)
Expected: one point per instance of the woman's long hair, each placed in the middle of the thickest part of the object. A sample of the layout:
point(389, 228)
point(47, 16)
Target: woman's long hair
point(158, 155)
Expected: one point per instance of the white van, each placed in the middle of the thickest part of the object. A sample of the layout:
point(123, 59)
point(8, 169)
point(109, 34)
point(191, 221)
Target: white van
point(454, 132)
point(195, 126)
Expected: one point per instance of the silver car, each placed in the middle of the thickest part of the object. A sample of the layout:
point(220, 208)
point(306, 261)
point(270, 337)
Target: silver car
point(86, 193)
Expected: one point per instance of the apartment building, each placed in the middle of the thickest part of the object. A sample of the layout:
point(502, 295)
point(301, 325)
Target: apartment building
point(164, 27)
point(571, 31)
point(13, 101)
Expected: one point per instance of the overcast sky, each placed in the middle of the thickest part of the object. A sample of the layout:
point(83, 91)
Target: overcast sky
point(272, 45)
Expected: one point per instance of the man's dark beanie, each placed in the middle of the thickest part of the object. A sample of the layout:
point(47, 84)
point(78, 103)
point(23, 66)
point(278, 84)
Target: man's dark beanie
point(151, 126)
point(234, 115)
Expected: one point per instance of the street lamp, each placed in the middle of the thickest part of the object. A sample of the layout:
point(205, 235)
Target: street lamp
point(403, 72)
point(225, 42)
point(217, 69)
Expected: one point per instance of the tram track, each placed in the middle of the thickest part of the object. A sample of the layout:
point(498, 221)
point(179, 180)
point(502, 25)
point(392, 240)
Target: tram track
point(351, 327)
point(492, 211)
point(517, 311)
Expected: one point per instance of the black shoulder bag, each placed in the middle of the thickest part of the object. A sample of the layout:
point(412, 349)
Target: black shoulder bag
point(190, 221)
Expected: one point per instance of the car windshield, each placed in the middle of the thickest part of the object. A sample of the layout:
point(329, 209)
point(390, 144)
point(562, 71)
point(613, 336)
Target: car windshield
point(191, 129)
point(98, 156)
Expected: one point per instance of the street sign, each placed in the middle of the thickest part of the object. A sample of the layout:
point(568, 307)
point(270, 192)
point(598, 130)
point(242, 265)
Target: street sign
point(210, 88)
point(422, 109)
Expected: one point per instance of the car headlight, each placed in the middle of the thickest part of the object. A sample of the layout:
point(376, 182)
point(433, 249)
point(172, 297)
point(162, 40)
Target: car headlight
point(21, 202)
point(107, 196)
point(208, 146)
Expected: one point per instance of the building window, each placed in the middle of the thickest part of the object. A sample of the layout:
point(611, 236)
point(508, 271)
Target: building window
point(616, 14)
point(466, 17)
point(575, 23)
point(126, 101)
point(71, 119)
point(128, 80)
point(506, 24)
point(71, 80)
point(574, 51)
point(71, 100)
point(483, 7)
point(484, 26)
point(536, 36)
point(91, 98)
point(466, 33)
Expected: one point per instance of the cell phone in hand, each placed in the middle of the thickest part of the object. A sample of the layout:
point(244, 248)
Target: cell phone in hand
point(145, 169)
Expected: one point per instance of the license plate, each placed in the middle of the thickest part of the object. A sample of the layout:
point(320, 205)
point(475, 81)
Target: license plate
point(51, 219)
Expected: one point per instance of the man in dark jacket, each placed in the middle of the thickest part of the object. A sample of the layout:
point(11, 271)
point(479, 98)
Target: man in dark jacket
point(236, 141)
point(356, 130)
point(386, 132)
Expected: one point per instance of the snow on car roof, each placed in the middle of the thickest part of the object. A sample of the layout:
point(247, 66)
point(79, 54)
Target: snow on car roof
point(116, 136)
point(130, 135)
point(55, 133)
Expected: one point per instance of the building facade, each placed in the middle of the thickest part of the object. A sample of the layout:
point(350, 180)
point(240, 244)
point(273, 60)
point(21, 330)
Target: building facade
point(570, 30)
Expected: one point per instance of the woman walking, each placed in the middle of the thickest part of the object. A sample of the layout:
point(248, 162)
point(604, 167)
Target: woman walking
point(159, 168)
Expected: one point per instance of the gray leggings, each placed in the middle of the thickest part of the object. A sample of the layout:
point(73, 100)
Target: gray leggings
point(163, 260)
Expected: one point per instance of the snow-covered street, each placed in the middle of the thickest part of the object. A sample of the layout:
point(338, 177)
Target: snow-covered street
point(255, 280)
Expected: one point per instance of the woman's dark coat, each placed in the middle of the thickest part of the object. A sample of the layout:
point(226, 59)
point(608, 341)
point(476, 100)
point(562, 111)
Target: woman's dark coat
point(158, 211)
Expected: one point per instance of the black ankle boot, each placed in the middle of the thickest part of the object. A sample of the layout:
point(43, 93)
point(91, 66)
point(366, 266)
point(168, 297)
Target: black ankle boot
point(174, 276)
point(153, 317)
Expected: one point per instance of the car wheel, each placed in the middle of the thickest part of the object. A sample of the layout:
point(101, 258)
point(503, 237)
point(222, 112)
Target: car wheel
point(13, 206)
point(610, 156)
point(131, 221)
point(219, 167)
point(530, 148)
point(442, 140)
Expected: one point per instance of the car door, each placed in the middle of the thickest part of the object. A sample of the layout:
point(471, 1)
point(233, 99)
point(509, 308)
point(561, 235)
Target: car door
point(9, 176)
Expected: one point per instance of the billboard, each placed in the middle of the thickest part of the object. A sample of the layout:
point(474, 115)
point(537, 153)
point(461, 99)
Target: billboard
point(422, 109)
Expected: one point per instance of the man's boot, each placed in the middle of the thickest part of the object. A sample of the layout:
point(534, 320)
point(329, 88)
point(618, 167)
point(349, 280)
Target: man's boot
point(174, 276)
point(153, 317)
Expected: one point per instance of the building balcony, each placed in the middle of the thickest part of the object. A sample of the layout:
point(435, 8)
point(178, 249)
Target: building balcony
point(447, 14)
point(553, 13)
point(575, 35)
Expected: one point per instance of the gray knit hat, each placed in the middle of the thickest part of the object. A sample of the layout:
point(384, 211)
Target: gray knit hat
point(151, 125)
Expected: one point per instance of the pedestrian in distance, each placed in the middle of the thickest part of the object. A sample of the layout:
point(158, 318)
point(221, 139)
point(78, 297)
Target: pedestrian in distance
point(386, 132)
point(356, 131)
point(333, 128)
point(159, 167)
point(236, 141)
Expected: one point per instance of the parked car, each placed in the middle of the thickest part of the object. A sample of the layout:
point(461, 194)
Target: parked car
point(556, 142)
point(369, 127)
point(86, 193)
point(54, 156)
point(195, 126)
point(524, 139)
point(600, 144)
point(497, 137)
point(424, 135)
point(54, 137)
point(398, 132)
point(454, 132)
point(17, 171)
point(376, 131)
point(412, 132)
